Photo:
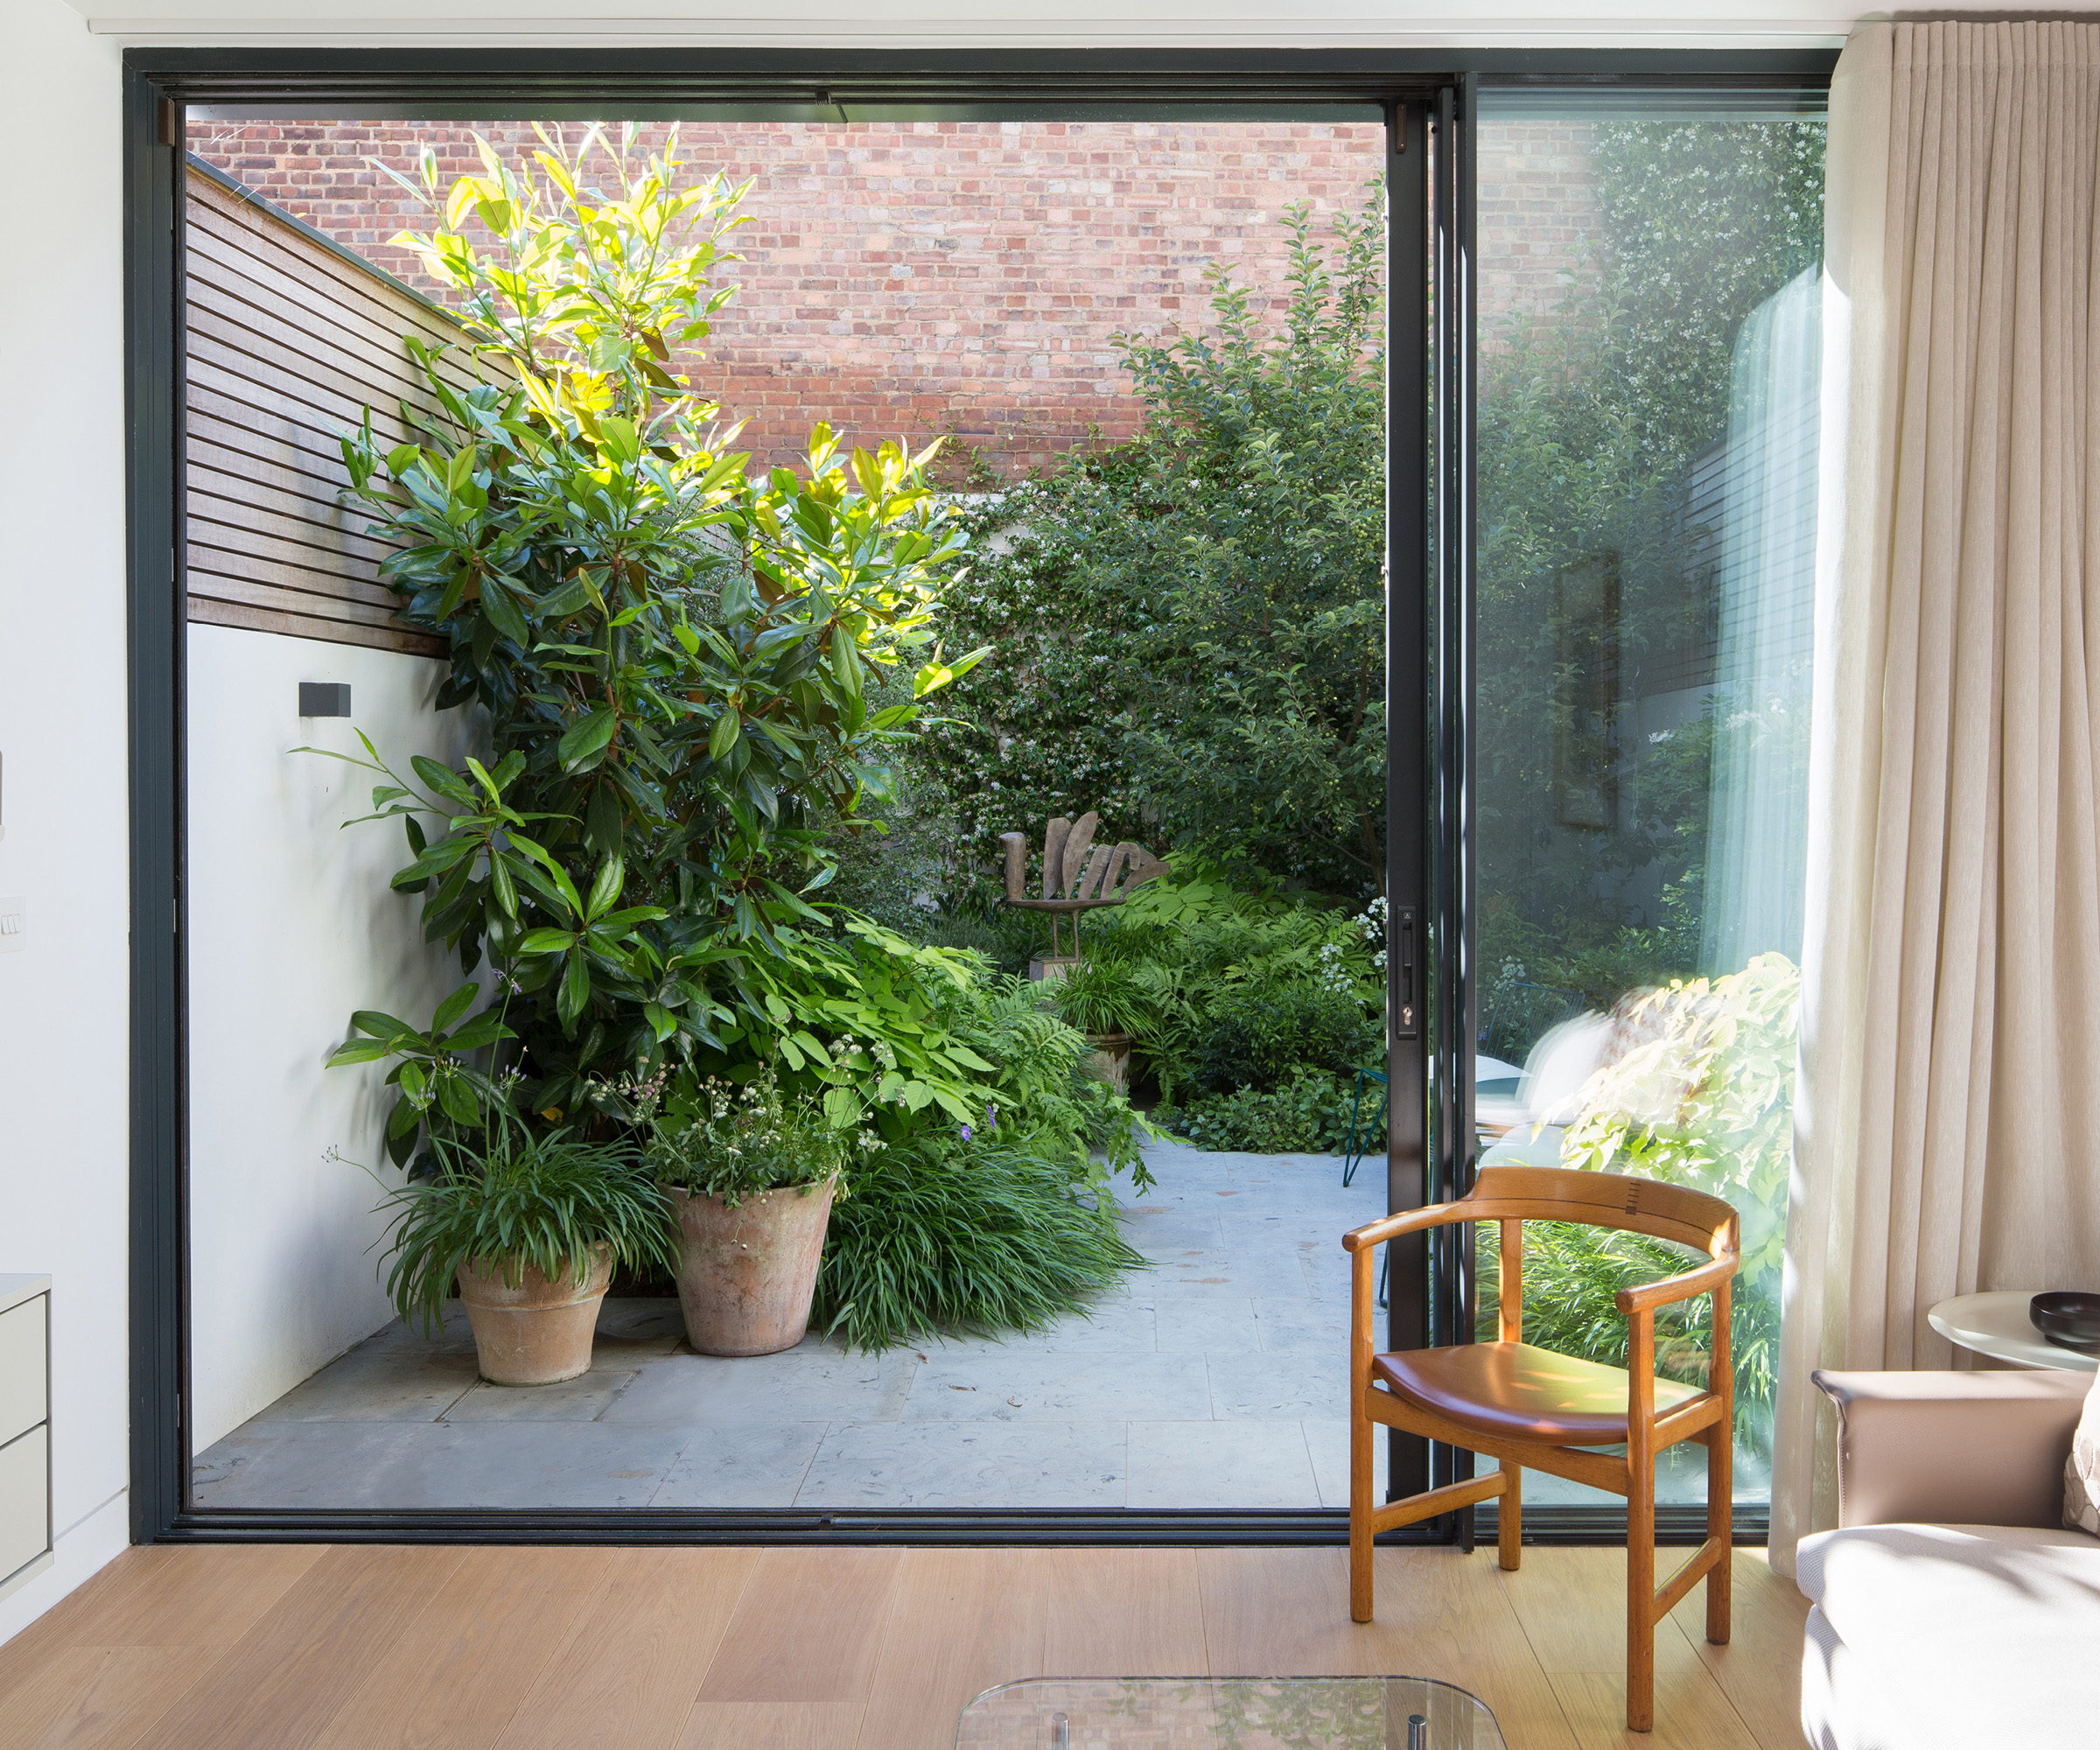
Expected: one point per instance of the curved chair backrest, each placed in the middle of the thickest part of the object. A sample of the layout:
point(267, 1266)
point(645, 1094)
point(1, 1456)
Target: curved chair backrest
point(1607, 1199)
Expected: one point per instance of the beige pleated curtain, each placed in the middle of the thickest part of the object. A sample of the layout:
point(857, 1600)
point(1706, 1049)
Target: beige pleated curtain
point(1949, 1102)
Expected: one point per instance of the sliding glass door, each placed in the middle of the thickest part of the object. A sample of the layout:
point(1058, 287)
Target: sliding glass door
point(1649, 316)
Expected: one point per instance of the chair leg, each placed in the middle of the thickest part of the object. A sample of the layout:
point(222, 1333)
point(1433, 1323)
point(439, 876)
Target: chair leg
point(1509, 1517)
point(1361, 1470)
point(1640, 1590)
point(1350, 1159)
point(1720, 1504)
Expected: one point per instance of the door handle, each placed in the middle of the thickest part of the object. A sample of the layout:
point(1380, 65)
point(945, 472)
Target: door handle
point(1407, 996)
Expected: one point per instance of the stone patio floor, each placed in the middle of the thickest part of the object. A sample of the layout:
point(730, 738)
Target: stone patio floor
point(1213, 1379)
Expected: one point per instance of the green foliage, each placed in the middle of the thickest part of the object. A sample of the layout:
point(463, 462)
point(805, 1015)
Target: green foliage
point(1190, 626)
point(441, 1087)
point(675, 656)
point(1572, 1276)
point(1232, 990)
point(697, 683)
point(1106, 996)
point(1308, 1112)
point(733, 1140)
point(1044, 1095)
point(1703, 1096)
point(1596, 584)
point(550, 1200)
point(973, 1235)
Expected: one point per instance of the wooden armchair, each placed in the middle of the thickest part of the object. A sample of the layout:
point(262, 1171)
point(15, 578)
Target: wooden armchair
point(1526, 1406)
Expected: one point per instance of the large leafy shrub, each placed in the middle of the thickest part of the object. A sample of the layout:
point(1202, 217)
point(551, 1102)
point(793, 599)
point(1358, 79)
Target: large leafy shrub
point(697, 681)
point(1190, 626)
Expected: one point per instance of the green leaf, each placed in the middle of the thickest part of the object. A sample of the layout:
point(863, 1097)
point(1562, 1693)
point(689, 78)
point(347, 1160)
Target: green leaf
point(585, 739)
point(662, 1022)
point(459, 1100)
point(540, 942)
point(442, 779)
point(503, 613)
point(383, 1026)
point(485, 1029)
point(454, 1006)
point(500, 880)
point(722, 736)
point(611, 876)
point(575, 990)
point(358, 1051)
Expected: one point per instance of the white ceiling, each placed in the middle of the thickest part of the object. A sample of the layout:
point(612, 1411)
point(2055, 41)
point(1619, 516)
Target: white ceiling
point(963, 24)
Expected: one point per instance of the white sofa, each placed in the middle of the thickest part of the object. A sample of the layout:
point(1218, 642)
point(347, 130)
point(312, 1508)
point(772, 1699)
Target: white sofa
point(1952, 1609)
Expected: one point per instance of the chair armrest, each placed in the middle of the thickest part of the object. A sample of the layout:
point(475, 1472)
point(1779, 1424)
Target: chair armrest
point(1407, 1222)
point(1704, 1279)
point(1953, 1448)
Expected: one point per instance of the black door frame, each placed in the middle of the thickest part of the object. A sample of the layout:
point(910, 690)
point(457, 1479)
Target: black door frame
point(1429, 100)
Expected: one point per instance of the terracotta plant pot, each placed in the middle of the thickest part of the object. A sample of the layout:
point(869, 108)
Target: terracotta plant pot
point(746, 1275)
point(538, 1332)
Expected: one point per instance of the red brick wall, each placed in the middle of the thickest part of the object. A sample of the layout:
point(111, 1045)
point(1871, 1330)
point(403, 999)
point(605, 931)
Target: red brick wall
point(916, 278)
point(1537, 210)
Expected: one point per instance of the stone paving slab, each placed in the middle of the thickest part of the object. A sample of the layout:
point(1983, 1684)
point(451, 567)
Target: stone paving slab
point(742, 1466)
point(971, 1464)
point(1220, 1465)
point(1214, 1379)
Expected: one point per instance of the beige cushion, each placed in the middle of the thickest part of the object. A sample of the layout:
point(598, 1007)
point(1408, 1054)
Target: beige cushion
point(2082, 1469)
point(1951, 1637)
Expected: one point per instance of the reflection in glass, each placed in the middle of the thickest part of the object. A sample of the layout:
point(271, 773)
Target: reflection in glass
point(1650, 381)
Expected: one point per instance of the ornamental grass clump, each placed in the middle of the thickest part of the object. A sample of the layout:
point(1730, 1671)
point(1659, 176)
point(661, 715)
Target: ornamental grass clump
point(970, 1236)
point(550, 1202)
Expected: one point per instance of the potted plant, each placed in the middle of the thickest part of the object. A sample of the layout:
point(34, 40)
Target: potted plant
point(751, 1176)
point(529, 1226)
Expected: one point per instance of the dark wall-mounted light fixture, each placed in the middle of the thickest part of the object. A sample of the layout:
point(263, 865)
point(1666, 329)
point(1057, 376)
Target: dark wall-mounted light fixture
point(323, 699)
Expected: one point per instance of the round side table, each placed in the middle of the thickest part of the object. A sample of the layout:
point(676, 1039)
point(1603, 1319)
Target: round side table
point(1996, 1324)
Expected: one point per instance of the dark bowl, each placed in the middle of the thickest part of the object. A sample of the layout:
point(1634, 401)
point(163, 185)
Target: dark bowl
point(2069, 1318)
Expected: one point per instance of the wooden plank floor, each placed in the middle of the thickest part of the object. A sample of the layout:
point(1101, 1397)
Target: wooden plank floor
point(301, 1647)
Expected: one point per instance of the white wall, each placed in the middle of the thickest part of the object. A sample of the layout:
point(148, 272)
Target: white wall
point(63, 1074)
point(293, 926)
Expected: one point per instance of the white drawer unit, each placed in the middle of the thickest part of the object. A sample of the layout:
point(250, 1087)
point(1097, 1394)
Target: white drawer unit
point(24, 1429)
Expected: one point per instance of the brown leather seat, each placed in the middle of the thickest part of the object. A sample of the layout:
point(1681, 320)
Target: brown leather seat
point(1512, 1391)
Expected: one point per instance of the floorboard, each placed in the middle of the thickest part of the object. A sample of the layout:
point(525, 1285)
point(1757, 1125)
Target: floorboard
point(464, 1669)
point(97, 1697)
point(1759, 1671)
point(773, 1725)
point(626, 1676)
point(299, 1648)
point(830, 1607)
point(281, 1683)
point(77, 1618)
point(1124, 1613)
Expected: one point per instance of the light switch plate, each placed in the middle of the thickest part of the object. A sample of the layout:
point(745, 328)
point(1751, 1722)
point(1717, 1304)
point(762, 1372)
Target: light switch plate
point(14, 922)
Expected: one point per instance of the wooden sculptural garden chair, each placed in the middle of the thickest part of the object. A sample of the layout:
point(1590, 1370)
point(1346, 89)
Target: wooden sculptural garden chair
point(1529, 1407)
point(1078, 874)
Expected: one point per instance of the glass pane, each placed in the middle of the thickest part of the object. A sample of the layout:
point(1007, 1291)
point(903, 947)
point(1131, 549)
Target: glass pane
point(1650, 374)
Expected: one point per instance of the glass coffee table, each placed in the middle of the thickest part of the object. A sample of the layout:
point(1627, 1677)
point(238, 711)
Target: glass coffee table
point(1227, 1713)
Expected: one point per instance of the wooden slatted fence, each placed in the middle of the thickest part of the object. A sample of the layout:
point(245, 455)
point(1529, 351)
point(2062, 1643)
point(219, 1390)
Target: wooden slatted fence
point(289, 340)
